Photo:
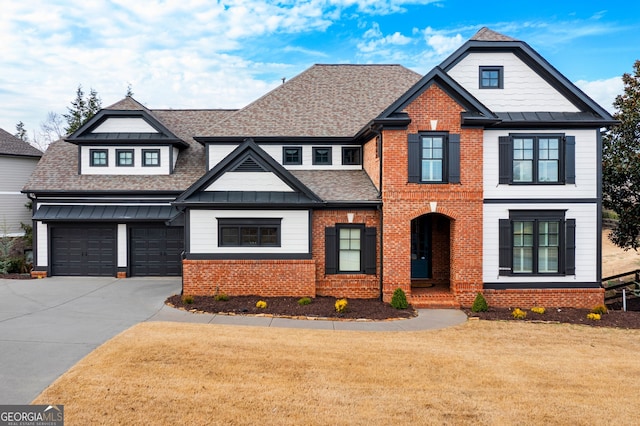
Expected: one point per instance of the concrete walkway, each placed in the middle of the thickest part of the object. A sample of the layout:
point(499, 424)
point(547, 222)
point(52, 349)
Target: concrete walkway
point(48, 325)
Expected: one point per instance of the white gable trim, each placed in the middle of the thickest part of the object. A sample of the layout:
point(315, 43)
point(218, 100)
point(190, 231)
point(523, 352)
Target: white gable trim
point(249, 181)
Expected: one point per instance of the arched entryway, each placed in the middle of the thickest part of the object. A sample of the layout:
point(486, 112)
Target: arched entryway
point(430, 251)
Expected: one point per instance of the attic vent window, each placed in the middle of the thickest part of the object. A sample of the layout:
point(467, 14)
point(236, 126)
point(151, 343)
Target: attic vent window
point(491, 77)
point(249, 165)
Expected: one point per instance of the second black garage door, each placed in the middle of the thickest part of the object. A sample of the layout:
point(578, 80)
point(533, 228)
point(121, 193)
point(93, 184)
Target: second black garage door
point(156, 250)
point(83, 250)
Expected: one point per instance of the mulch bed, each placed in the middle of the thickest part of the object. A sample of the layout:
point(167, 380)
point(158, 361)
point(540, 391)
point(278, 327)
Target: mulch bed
point(15, 276)
point(373, 309)
point(320, 307)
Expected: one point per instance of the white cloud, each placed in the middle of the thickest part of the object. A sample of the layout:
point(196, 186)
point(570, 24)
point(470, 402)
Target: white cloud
point(604, 92)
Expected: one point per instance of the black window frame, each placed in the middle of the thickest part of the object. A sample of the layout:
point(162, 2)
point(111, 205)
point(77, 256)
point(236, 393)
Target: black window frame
point(92, 159)
point(285, 161)
point(314, 155)
point(566, 160)
point(451, 158)
point(144, 157)
point(494, 68)
point(358, 156)
point(368, 249)
point(249, 223)
point(123, 151)
point(566, 243)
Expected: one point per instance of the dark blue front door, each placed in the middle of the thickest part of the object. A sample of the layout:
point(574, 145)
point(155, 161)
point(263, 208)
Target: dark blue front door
point(421, 247)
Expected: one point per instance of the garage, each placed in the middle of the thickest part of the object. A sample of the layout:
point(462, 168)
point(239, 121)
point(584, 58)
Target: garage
point(156, 250)
point(83, 250)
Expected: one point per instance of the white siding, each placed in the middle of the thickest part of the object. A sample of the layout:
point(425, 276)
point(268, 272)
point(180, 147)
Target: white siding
point(586, 169)
point(249, 181)
point(125, 125)
point(41, 253)
point(203, 234)
point(137, 169)
point(122, 245)
point(218, 152)
point(14, 174)
point(524, 90)
point(586, 241)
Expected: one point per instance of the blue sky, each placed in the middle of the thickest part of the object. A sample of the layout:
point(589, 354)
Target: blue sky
point(224, 54)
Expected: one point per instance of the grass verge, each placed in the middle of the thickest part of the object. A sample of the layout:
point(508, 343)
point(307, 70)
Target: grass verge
point(481, 372)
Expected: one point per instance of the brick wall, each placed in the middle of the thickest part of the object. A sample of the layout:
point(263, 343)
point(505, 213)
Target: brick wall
point(549, 298)
point(371, 161)
point(249, 277)
point(459, 204)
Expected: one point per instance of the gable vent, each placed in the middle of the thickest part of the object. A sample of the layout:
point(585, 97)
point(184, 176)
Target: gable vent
point(249, 165)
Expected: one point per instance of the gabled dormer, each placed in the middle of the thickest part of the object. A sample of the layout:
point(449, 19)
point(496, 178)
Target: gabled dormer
point(126, 142)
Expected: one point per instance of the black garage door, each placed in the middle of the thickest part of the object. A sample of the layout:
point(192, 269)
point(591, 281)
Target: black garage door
point(83, 250)
point(156, 250)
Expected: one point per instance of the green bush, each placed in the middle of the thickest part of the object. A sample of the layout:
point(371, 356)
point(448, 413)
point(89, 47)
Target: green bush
point(304, 301)
point(221, 297)
point(480, 304)
point(187, 299)
point(600, 309)
point(399, 299)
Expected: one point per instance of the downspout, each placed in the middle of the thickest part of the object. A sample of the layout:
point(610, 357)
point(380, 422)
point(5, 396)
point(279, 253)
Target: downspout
point(379, 152)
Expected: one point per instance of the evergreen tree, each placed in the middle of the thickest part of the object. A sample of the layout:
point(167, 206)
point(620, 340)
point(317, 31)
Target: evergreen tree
point(21, 132)
point(621, 163)
point(82, 109)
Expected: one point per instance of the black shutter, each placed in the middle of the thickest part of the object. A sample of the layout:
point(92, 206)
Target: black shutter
point(330, 251)
point(570, 247)
point(570, 160)
point(504, 159)
point(370, 259)
point(504, 257)
point(413, 140)
point(454, 158)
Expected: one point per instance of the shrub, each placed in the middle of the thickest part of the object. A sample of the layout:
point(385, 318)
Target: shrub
point(538, 310)
point(399, 299)
point(187, 299)
point(261, 304)
point(519, 313)
point(593, 316)
point(304, 301)
point(221, 297)
point(341, 305)
point(480, 304)
point(600, 309)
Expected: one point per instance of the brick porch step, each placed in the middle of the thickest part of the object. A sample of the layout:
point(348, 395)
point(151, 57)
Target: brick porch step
point(429, 298)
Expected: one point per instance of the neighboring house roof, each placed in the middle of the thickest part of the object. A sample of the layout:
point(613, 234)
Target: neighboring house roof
point(486, 34)
point(323, 101)
point(11, 145)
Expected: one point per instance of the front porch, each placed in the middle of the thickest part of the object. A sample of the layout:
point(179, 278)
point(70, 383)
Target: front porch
point(432, 295)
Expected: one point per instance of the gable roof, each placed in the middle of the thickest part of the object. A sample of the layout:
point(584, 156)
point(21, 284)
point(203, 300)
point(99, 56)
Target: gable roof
point(323, 101)
point(11, 145)
point(247, 153)
point(486, 40)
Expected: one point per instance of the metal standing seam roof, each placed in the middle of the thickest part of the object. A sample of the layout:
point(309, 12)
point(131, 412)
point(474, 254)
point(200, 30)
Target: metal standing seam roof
point(105, 213)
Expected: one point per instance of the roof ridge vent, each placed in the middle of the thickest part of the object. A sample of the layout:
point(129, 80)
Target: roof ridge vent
point(249, 164)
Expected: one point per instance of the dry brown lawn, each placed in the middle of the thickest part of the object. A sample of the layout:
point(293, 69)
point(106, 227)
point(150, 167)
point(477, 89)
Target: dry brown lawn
point(477, 373)
point(616, 260)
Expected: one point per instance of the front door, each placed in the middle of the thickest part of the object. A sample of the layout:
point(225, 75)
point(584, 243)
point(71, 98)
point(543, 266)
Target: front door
point(421, 247)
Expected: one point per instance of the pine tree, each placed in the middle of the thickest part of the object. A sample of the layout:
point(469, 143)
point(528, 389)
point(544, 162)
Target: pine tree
point(621, 163)
point(21, 132)
point(82, 109)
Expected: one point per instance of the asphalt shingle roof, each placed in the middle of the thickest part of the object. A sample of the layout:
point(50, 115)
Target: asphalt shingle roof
point(11, 145)
point(338, 185)
point(486, 34)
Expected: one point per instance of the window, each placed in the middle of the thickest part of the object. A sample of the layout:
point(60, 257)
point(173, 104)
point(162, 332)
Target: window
point(351, 156)
point(249, 232)
point(350, 249)
point(321, 156)
point(434, 158)
point(99, 157)
point(124, 157)
point(537, 159)
point(292, 155)
point(537, 243)
point(491, 77)
point(151, 157)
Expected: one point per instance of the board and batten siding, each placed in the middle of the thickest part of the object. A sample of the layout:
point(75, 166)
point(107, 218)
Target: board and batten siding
point(218, 152)
point(14, 174)
point(122, 242)
point(586, 168)
point(41, 254)
point(524, 90)
point(203, 231)
point(586, 242)
point(137, 168)
point(249, 181)
point(125, 125)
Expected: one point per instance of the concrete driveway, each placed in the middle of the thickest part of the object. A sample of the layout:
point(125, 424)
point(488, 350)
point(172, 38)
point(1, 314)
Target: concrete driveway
point(48, 325)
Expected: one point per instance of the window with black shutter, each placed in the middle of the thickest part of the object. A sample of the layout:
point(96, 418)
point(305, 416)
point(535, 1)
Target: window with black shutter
point(434, 157)
point(350, 249)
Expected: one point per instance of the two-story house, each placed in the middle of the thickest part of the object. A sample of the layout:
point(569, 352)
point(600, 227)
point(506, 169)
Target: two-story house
point(347, 180)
